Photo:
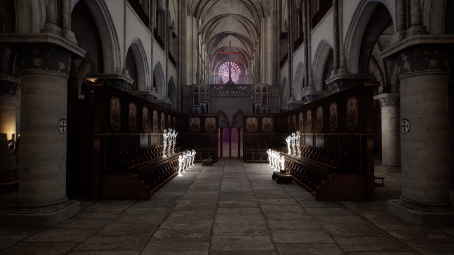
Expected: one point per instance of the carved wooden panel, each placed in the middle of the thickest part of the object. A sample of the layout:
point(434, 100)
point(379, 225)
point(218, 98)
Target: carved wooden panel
point(145, 118)
point(251, 124)
point(333, 116)
point(169, 121)
point(155, 121)
point(319, 122)
point(163, 121)
point(352, 113)
point(309, 120)
point(132, 116)
point(194, 124)
point(115, 113)
point(301, 122)
point(267, 124)
point(210, 124)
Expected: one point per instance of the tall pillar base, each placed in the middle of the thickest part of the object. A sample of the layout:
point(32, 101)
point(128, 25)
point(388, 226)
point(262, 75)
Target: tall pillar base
point(16, 215)
point(420, 214)
point(390, 169)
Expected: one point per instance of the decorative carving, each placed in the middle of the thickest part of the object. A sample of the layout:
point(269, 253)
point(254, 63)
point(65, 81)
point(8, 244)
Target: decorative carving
point(333, 117)
point(294, 122)
point(132, 116)
point(352, 113)
point(115, 113)
point(267, 124)
point(155, 121)
point(145, 118)
point(319, 122)
point(163, 121)
point(210, 124)
point(301, 120)
point(251, 124)
point(194, 124)
point(309, 120)
point(9, 88)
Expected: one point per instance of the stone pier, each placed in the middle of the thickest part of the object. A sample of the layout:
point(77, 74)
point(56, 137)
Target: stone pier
point(424, 75)
point(390, 124)
point(44, 71)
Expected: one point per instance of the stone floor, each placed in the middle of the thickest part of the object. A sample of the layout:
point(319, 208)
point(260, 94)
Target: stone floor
point(232, 208)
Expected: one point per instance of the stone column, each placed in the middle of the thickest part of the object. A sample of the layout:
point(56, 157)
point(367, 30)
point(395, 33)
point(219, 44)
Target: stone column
point(336, 35)
point(310, 85)
point(44, 85)
point(401, 21)
point(424, 72)
point(390, 123)
point(416, 26)
point(342, 59)
point(9, 87)
point(305, 43)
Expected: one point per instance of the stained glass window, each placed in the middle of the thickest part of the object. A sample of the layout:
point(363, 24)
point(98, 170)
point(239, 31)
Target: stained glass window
point(224, 72)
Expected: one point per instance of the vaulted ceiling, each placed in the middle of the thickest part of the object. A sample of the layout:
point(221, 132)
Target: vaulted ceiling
point(238, 21)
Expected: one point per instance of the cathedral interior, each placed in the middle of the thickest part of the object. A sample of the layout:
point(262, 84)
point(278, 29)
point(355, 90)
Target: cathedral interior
point(219, 127)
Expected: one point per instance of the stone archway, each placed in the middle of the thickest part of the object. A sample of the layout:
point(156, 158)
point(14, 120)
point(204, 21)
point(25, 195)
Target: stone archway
point(173, 94)
point(323, 64)
point(159, 81)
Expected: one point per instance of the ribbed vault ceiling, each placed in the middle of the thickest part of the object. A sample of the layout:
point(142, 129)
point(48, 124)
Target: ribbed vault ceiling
point(237, 21)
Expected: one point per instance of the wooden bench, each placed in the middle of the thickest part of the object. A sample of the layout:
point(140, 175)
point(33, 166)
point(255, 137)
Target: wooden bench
point(141, 182)
point(9, 179)
point(380, 178)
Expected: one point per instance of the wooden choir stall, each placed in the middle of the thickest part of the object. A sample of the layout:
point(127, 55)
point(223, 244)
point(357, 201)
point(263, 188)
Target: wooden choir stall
point(335, 159)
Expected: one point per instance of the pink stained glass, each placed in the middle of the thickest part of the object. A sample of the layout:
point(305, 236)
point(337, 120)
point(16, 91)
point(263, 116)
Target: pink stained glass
point(224, 72)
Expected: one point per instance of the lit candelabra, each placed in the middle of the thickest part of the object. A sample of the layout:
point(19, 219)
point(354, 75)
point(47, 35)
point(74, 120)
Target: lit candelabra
point(165, 137)
point(276, 161)
point(293, 144)
point(174, 138)
point(180, 164)
point(289, 141)
point(298, 142)
point(192, 157)
point(282, 162)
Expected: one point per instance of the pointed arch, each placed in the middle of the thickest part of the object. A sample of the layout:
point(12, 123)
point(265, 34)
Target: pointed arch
point(143, 70)
point(225, 120)
point(110, 46)
point(173, 95)
point(298, 82)
point(357, 29)
point(159, 79)
point(321, 59)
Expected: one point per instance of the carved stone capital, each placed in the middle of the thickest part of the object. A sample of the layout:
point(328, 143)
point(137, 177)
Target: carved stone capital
point(117, 80)
point(148, 95)
point(388, 99)
point(342, 81)
point(9, 86)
